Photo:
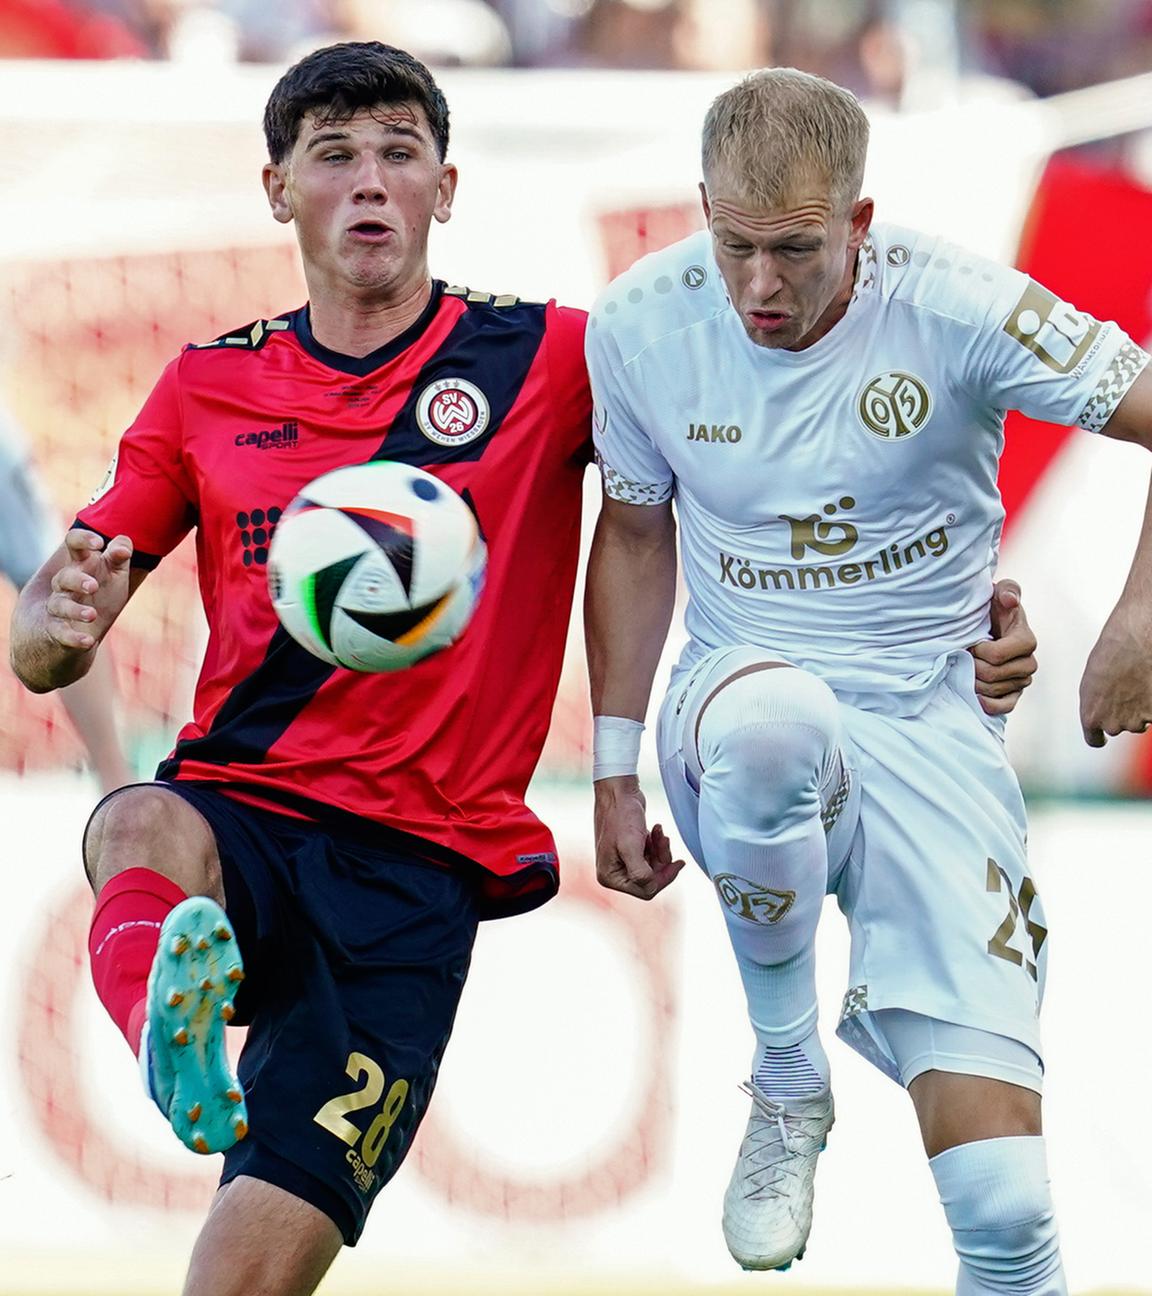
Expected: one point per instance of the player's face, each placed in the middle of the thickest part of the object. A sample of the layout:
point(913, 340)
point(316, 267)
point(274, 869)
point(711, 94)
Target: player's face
point(363, 193)
point(789, 271)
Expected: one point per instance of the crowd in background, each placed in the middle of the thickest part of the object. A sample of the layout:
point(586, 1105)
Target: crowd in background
point(1048, 45)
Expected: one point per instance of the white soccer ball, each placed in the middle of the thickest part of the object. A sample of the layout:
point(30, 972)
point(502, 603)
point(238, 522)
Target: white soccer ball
point(375, 566)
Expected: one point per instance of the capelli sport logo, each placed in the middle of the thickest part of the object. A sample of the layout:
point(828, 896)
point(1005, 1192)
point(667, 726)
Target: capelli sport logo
point(284, 437)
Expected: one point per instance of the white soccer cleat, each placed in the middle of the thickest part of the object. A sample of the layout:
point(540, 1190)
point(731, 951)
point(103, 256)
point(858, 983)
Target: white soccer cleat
point(768, 1205)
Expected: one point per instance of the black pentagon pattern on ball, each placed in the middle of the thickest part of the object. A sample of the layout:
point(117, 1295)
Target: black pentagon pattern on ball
point(398, 546)
point(326, 586)
point(394, 625)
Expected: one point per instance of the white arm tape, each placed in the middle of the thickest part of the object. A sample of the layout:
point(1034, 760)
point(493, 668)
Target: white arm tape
point(615, 746)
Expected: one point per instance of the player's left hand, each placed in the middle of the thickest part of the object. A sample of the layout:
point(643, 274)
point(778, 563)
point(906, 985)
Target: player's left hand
point(1005, 663)
point(1116, 690)
point(630, 856)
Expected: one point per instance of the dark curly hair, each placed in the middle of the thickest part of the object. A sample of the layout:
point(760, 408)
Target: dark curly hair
point(341, 80)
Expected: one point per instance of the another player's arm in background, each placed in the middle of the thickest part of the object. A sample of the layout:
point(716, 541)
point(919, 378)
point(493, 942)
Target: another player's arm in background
point(91, 706)
point(1116, 689)
point(628, 603)
point(68, 607)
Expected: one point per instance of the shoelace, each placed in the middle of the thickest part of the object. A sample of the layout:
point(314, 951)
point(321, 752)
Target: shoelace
point(774, 1133)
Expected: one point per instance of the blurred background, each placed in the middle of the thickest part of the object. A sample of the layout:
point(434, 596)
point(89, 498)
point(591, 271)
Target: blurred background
point(588, 1112)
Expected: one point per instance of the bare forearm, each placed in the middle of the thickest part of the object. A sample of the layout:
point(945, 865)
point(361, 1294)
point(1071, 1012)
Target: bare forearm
point(1138, 586)
point(628, 605)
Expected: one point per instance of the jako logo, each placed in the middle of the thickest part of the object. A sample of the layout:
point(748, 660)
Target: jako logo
point(828, 538)
point(285, 437)
point(714, 432)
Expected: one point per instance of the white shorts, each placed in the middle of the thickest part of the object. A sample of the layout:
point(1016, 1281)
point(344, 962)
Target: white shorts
point(926, 857)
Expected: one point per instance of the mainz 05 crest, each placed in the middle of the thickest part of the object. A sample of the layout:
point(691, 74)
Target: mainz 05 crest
point(894, 405)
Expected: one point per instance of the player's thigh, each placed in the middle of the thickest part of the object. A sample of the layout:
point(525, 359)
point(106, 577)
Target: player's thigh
point(150, 825)
point(358, 999)
point(952, 1109)
point(945, 919)
point(965, 1084)
point(259, 1238)
point(682, 763)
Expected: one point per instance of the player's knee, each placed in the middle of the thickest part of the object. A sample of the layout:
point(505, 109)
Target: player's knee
point(999, 1206)
point(771, 735)
point(146, 826)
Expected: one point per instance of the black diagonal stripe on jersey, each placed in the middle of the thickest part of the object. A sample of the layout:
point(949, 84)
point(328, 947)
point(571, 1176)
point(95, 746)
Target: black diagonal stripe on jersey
point(493, 348)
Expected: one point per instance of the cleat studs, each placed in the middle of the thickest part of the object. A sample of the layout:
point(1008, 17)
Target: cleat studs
point(227, 1011)
point(240, 1128)
point(200, 1144)
point(222, 933)
point(181, 1037)
point(234, 1096)
point(180, 945)
point(236, 973)
point(194, 1113)
point(206, 984)
point(175, 999)
point(203, 943)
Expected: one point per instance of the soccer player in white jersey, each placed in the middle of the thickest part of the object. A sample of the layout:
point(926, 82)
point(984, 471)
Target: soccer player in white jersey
point(28, 534)
point(824, 400)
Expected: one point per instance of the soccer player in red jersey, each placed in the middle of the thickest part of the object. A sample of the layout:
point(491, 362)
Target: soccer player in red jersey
point(345, 831)
point(354, 827)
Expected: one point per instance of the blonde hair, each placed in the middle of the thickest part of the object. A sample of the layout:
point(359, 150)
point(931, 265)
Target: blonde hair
point(780, 127)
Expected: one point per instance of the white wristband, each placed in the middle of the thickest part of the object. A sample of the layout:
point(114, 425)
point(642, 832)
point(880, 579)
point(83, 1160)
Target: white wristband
point(615, 746)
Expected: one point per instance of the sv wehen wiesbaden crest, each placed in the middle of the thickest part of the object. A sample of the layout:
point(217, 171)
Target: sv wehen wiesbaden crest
point(452, 411)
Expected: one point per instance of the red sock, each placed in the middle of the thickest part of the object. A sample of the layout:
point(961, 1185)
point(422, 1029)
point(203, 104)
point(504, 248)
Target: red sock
point(122, 943)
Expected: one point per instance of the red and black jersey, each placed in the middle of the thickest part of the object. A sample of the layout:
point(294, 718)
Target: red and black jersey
point(489, 394)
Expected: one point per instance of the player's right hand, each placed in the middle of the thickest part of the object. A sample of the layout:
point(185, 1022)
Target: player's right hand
point(89, 591)
point(629, 857)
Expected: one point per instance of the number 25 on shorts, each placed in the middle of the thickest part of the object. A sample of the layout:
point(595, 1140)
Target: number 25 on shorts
point(1019, 906)
point(333, 1116)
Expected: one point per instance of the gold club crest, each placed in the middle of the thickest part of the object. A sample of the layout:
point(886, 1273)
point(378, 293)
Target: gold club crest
point(895, 405)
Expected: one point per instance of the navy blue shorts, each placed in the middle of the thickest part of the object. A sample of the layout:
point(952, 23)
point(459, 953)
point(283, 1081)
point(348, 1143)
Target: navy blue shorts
point(355, 957)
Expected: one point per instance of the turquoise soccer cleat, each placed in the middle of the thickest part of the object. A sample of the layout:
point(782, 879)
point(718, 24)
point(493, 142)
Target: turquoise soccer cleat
point(191, 988)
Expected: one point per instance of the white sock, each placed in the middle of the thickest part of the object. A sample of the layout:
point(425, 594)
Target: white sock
point(998, 1203)
point(798, 1071)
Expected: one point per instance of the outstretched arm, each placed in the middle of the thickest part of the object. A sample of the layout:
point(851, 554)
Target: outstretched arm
point(1116, 689)
point(628, 602)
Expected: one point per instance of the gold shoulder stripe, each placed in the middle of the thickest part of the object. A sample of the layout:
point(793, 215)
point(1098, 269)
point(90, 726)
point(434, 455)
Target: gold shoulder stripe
point(252, 340)
point(482, 298)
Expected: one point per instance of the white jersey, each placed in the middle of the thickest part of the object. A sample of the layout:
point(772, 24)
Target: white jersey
point(838, 505)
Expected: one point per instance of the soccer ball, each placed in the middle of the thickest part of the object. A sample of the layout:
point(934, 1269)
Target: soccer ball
point(375, 566)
